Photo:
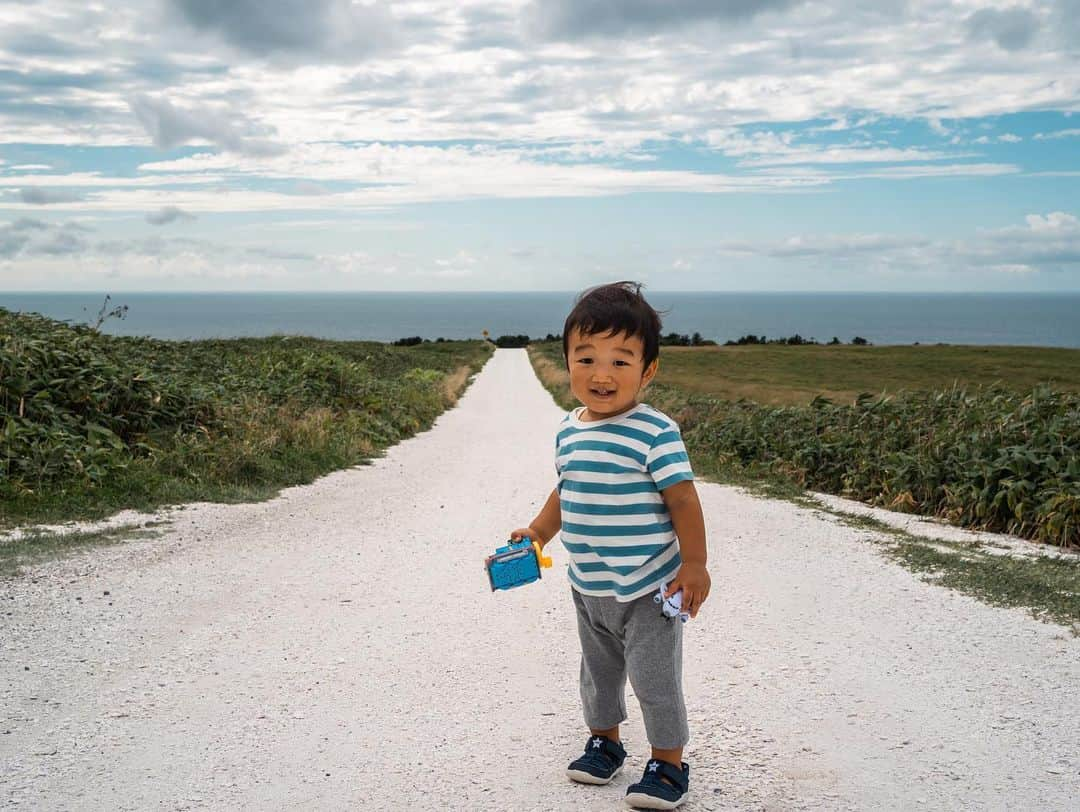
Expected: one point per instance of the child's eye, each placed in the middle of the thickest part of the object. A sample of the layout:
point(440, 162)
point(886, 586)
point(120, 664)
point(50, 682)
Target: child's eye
point(584, 360)
point(622, 364)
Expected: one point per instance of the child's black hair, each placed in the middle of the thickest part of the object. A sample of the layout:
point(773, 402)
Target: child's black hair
point(612, 309)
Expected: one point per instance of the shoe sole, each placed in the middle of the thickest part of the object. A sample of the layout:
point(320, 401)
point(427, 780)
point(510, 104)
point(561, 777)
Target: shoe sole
point(582, 777)
point(639, 800)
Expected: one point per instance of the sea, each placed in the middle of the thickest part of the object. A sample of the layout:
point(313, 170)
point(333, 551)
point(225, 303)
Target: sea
point(1030, 319)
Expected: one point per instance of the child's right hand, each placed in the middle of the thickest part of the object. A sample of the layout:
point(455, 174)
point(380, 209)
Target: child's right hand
point(526, 532)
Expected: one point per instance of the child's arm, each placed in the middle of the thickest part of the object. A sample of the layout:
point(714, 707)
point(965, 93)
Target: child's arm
point(546, 524)
point(689, 523)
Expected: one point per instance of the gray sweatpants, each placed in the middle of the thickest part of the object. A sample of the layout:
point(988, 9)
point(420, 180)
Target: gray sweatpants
point(632, 639)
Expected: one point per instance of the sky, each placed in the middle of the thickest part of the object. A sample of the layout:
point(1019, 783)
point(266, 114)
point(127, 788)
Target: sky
point(778, 145)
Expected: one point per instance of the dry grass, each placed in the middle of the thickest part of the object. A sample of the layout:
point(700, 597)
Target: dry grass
point(454, 384)
point(554, 376)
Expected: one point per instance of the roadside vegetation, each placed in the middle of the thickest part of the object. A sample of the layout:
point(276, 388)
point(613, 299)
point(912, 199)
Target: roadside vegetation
point(92, 423)
point(1046, 584)
point(32, 546)
point(779, 375)
point(985, 438)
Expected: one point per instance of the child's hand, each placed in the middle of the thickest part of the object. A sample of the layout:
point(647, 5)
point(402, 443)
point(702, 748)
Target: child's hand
point(694, 581)
point(522, 532)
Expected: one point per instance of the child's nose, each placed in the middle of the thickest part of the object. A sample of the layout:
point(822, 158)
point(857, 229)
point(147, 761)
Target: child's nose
point(602, 370)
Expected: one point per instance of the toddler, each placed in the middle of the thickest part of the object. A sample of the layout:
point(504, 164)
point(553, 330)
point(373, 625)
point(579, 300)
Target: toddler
point(629, 516)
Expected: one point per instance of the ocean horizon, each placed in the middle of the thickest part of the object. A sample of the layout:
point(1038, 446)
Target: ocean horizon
point(1022, 319)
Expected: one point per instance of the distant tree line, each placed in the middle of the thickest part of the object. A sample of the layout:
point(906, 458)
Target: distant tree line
point(669, 340)
point(511, 341)
point(676, 340)
point(412, 341)
point(794, 340)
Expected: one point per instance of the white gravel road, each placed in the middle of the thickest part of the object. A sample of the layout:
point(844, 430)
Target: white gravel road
point(338, 647)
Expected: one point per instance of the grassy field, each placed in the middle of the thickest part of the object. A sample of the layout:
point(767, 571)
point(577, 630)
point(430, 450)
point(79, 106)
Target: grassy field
point(91, 423)
point(783, 375)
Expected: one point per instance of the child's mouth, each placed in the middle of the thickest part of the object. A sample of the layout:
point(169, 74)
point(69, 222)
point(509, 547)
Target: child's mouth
point(603, 393)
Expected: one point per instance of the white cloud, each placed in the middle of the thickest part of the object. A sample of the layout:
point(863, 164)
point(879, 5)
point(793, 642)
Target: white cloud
point(1071, 133)
point(393, 175)
point(462, 259)
point(214, 72)
point(765, 148)
point(1057, 221)
point(932, 171)
point(96, 179)
point(1004, 138)
point(1047, 244)
point(386, 176)
point(935, 124)
point(332, 110)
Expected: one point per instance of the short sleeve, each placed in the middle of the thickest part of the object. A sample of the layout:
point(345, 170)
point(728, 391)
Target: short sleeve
point(558, 442)
point(667, 461)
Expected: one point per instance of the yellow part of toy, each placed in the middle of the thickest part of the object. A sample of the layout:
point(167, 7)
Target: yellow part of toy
point(543, 559)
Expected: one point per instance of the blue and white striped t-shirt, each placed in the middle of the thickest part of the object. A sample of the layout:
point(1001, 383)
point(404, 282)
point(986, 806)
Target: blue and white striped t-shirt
point(615, 524)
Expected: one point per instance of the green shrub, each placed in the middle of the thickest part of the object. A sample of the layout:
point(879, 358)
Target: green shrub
point(91, 422)
point(76, 405)
point(986, 458)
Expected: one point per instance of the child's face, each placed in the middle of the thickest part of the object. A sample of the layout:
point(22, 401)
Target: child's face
point(607, 372)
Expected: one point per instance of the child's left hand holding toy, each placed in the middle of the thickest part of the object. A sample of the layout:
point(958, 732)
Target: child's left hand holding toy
point(693, 579)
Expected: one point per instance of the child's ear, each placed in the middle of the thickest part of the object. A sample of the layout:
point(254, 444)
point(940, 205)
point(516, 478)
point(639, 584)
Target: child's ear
point(650, 372)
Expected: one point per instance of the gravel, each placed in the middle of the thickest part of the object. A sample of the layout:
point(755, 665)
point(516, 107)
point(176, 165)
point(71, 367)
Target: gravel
point(338, 646)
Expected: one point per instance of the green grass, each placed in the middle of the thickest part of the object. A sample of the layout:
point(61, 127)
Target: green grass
point(38, 546)
point(788, 375)
point(1048, 587)
point(91, 423)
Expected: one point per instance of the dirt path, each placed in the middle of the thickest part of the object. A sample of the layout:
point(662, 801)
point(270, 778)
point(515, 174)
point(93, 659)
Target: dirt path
point(338, 647)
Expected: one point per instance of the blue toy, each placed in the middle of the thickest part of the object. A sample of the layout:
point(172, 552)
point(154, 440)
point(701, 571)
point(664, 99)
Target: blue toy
point(672, 606)
point(516, 564)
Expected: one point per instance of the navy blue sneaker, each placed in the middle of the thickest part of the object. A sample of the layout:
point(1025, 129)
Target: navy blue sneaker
point(654, 792)
point(601, 761)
